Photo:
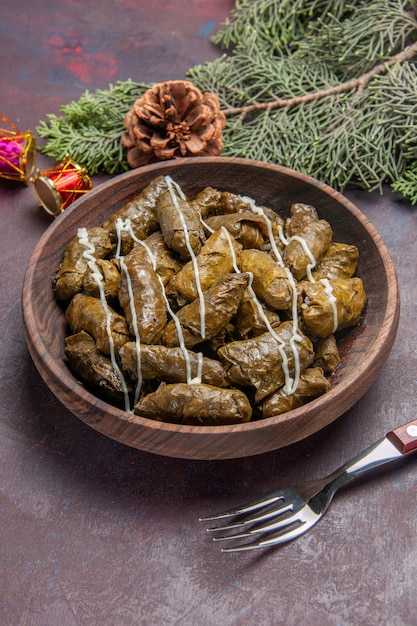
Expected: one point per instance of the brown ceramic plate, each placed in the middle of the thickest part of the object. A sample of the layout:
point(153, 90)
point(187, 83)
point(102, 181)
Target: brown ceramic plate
point(364, 349)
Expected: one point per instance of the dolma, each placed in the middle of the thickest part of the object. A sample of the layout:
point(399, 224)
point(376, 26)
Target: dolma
point(317, 236)
point(255, 349)
point(140, 211)
point(169, 364)
point(249, 321)
point(258, 361)
point(196, 404)
point(109, 277)
point(247, 228)
point(326, 354)
point(92, 366)
point(221, 302)
point(166, 265)
point(216, 258)
point(149, 315)
point(339, 261)
point(89, 314)
point(300, 215)
point(276, 223)
point(233, 203)
point(206, 201)
point(69, 277)
point(270, 280)
point(312, 384)
point(180, 223)
point(318, 308)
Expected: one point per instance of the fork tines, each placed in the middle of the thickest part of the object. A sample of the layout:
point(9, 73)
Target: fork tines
point(290, 531)
point(248, 508)
point(254, 518)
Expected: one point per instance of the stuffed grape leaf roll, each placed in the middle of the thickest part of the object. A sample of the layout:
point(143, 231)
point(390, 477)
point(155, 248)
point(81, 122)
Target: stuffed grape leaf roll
point(307, 247)
point(259, 361)
point(221, 302)
point(326, 354)
point(196, 404)
point(247, 228)
point(233, 203)
point(161, 257)
point(312, 384)
point(250, 321)
point(109, 278)
point(300, 215)
point(270, 280)
point(170, 364)
point(142, 299)
point(329, 306)
point(207, 201)
point(91, 315)
point(216, 258)
point(92, 366)
point(180, 223)
point(140, 212)
point(339, 261)
point(70, 275)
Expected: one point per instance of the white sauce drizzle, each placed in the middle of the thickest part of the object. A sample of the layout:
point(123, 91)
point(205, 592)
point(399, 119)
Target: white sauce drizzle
point(259, 211)
point(308, 252)
point(119, 229)
point(291, 387)
point(91, 262)
point(232, 250)
point(127, 226)
point(171, 185)
point(328, 290)
point(328, 287)
point(209, 228)
point(290, 383)
point(284, 240)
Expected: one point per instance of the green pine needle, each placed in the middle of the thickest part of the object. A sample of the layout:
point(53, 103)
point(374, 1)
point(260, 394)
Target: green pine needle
point(407, 183)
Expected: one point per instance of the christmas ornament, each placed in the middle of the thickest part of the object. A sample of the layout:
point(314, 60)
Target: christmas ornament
point(59, 186)
point(17, 153)
point(56, 187)
point(170, 120)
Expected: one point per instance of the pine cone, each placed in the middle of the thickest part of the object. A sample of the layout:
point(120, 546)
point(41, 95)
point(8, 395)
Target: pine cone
point(173, 119)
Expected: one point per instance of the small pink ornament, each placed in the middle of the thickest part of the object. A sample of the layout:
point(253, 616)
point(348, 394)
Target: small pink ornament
point(17, 153)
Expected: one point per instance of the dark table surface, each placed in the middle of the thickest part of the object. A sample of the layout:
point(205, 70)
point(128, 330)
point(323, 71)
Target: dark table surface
point(94, 532)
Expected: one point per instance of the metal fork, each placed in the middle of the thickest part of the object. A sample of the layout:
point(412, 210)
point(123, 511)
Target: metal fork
point(284, 515)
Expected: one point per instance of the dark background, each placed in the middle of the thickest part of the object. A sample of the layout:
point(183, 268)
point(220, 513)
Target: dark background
point(94, 532)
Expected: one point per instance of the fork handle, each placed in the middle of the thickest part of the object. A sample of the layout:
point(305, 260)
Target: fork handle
point(404, 437)
point(397, 443)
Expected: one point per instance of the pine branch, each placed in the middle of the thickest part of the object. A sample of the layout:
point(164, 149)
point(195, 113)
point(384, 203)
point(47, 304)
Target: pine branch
point(355, 84)
point(372, 33)
point(278, 24)
point(306, 116)
point(325, 87)
point(90, 129)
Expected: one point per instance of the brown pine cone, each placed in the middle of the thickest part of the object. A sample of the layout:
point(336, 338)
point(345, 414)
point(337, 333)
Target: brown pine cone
point(171, 120)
